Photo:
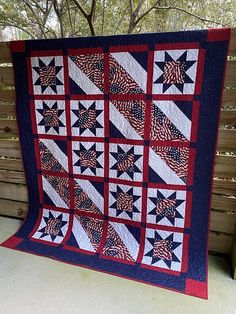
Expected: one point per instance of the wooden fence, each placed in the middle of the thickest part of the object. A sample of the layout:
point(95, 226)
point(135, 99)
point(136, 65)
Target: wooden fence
point(13, 191)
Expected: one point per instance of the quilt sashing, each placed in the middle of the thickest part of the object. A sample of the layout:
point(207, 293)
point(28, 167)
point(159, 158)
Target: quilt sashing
point(118, 139)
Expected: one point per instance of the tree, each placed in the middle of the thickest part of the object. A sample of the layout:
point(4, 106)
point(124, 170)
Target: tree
point(68, 18)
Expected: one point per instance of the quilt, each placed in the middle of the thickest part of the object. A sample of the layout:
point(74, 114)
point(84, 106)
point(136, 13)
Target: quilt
point(118, 137)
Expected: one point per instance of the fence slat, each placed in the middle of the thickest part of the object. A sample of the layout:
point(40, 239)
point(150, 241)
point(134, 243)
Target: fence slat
point(225, 166)
point(7, 95)
point(12, 177)
point(11, 164)
point(229, 97)
point(227, 141)
point(5, 55)
point(10, 148)
point(223, 202)
point(13, 208)
point(8, 109)
point(222, 222)
point(6, 75)
point(230, 76)
point(8, 128)
point(228, 117)
point(227, 187)
point(15, 192)
point(221, 242)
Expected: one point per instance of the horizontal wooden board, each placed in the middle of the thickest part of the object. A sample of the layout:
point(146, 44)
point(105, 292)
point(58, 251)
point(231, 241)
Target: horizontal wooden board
point(227, 141)
point(220, 242)
point(11, 164)
point(13, 208)
point(12, 177)
point(10, 148)
point(227, 187)
point(225, 166)
point(223, 202)
point(15, 192)
point(229, 97)
point(7, 96)
point(222, 222)
point(5, 55)
point(7, 110)
point(230, 76)
point(6, 75)
point(227, 117)
point(8, 128)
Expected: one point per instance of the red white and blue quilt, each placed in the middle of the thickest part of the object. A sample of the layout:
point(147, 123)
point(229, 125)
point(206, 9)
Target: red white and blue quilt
point(118, 136)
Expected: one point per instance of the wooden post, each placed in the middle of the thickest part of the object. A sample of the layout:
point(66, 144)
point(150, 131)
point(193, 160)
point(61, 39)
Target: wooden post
point(233, 255)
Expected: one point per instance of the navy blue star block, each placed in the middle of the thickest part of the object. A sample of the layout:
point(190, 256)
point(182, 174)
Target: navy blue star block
point(174, 72)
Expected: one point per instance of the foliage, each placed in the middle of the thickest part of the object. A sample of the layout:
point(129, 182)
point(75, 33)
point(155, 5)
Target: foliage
point(68, 18)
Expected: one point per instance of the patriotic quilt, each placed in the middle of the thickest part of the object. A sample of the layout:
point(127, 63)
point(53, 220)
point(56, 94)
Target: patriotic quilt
point(118, 136)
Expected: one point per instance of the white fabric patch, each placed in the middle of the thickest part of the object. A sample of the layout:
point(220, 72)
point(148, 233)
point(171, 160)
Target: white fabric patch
point(54, 196)
point(132, 67)
point(81, 79)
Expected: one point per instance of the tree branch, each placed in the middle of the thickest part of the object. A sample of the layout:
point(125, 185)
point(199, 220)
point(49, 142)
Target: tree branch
point(93, 7)
point(131, 6)
point(58, 12)
point(81, 8)
point(146, 12)
point(41, 26)
point(88, 16)
point(103, 16)
point(19, 27)
point(121, 19)
point(189, 13)
point(70, 19)
point(134, 19)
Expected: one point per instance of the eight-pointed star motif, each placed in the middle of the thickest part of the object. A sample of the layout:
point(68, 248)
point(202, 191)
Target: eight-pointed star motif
point(125, 202)
point(88, 158)
point(53, 226)
point(174, 71)
point(87, 118)
point(165, 207)
point(163, 249)
point(125, 161)
point(51, 117)
point(47, 75)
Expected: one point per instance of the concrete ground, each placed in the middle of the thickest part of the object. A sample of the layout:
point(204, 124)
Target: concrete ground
point(32, 284)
